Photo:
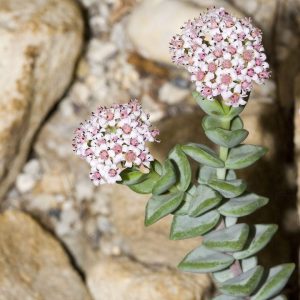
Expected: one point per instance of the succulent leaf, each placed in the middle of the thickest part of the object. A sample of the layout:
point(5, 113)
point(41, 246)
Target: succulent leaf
point(207, 173)
point(227, 138)
point(145, 186)
point(203, 155)
point(212, 108)
point(243, 205)
point(228, 188)
point(204, 199)
point(243, 156)
point(276, 280)
point(226, 297)
point(248, 263)
point(228, 239)
point(132, 176)
point(223, 275)
point(244, 284)
point(167, 179)
point(184, 227)
point(161, 205)
point(229, 221)
point(184, 169)
point(204, 260)
point(261, 235)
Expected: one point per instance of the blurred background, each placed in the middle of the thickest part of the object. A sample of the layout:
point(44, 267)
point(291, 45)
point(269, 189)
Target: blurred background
point(60, 237)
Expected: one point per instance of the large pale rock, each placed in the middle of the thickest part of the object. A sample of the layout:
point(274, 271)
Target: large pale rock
point(125, 279)
point(152, 24)
point(33, 265)
point(39, 44)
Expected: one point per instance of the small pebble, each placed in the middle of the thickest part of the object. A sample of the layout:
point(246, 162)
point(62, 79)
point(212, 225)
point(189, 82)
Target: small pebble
point(25, 183)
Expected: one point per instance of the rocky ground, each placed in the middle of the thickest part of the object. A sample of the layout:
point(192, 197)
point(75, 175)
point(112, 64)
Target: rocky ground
point(102, 248)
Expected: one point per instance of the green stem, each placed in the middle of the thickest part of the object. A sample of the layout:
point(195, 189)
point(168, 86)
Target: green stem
point(223, 152)
point(221, 174)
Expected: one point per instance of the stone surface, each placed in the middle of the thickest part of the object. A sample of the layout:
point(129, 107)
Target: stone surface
point(125, 279)
point(39, 44)
point(161, 19)
point(33, 265)
point(171, 94)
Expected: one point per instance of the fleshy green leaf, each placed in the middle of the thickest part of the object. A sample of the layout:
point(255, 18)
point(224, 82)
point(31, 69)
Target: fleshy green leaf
point(209, 122)
point(204, 199)
point(228, 188)
point(242, 206)
point(228, 239)
point(235, 111)
point(229, 221)
point(183, 208)
point(236, 124)
point(207, 173)
point(146, 186)
point(203, 155)
point(184, 227)
point(227, 138)
point(248, 263)
point(156, 166)
point(226, 297)
point(275, 282)
point(280, 297)
point(244, 156)
point(223, 275)
point(203, 260)
point(162, 205)
point(260, 237)
point(212, 108)
point(167, 179)
point(184, 168)
point(244, 284)
point(132, 176)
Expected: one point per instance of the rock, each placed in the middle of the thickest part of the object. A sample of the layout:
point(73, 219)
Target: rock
point(25, 183)
point(99, 51)
point(172, 94)
point(33, 265)
point(161, 19)
point(40, 42)
point(150, 106)
point(32, 167)
point(125, 279)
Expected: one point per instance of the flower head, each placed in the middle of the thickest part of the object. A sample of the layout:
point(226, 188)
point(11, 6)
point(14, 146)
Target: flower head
point(113, 139)
point(224, 55)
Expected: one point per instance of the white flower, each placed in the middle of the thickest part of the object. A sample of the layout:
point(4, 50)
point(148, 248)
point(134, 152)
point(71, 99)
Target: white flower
point(113, 139)
point(215, 45)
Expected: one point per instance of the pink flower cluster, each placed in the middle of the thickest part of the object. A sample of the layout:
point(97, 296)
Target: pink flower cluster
point(113, 139)
point(224, 55)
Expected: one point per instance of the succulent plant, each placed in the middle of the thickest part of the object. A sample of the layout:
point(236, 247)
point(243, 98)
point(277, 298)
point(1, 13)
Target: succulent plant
point(225, 57)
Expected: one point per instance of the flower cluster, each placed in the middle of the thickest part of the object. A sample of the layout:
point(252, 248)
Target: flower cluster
point(113, 139)
point(224, 55)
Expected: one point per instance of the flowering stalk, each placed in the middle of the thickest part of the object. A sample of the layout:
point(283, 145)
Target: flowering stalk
point(224, 56)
